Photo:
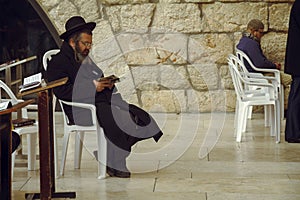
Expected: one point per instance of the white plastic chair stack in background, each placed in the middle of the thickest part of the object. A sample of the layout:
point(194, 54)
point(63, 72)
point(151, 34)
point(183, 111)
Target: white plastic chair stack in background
point(30, 131)
point(80, 131)
point(256, 77)
point(247, 98)
point(275, 79)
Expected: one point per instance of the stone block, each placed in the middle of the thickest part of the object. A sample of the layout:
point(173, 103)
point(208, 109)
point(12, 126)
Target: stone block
point(204, 76)
point(231, 17)
point(279, 15)
point(273, 45)
point(184, 17)
point(151, 48)
point(61, 13)
point(174, 77)
point(207, 101)
point(225, 77)
point(89, 10)
point(133, 18)
point(169, 101)
point(146, 77)
point(210, 48)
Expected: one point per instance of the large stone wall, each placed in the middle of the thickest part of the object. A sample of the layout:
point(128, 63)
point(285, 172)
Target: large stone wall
point(171, 54)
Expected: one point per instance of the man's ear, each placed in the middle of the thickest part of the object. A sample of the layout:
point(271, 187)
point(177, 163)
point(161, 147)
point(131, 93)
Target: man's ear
point(72, 43)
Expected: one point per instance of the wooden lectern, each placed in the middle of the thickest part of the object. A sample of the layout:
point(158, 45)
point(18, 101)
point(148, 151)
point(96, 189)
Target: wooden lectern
point(46, 141)
point(5, 149)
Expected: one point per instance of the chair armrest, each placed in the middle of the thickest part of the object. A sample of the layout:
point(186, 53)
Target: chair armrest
point(241, 55)
point(271, 87)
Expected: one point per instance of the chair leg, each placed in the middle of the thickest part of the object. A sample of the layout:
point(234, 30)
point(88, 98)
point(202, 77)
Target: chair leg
point(281, 104)
point(31, 141)
point(102, 154)
point(249, 113)
point(243, 118)
point(56, 174)
point(278, 122)
point(13, 158)
point(281, 93)
point(273, 121)
point(244, 123)
point(78, 149)
point(64, 153)
point(267, 110)
point(236, 117)
point(55, 154)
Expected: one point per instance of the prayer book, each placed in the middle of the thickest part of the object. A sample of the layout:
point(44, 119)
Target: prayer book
point(23, 122)
point(31, 82)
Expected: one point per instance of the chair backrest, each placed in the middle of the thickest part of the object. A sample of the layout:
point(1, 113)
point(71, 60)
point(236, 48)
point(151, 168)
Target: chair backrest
point(240, 81)
point(8, 91)
point(235, 75)
point(243, 57)
point(12, 97)
point(48, 56)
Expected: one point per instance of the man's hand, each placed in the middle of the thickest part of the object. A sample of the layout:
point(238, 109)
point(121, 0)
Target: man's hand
point(101, 85)
point(278, 66)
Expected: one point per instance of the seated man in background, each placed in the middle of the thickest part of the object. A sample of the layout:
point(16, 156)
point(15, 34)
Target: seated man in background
point(250, 45)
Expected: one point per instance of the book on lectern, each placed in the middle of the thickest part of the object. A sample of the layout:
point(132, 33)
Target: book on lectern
point(30, 82)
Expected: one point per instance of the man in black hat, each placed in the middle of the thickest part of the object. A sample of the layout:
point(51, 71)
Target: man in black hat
point(123, 124)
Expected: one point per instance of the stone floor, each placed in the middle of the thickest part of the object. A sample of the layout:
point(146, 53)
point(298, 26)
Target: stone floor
point(197, 158)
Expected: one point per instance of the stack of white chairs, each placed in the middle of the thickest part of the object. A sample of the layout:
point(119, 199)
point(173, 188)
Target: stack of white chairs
point(274, 79)
point(264, 94)
point(30, 131)
point(80, 131)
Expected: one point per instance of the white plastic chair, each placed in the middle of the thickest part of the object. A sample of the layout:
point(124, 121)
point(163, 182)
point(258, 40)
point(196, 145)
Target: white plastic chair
point(247, 98)
point(251, 90)
point(48, 56)
point(275, 79)
point(29, 131)
point(259, 77)
point(80, 130)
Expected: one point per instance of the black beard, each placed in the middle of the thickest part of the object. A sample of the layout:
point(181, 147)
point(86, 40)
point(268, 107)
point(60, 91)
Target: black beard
point(79, 57)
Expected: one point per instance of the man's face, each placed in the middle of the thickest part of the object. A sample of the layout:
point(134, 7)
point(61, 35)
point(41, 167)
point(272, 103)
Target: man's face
point(83, 46)
point(258, 33)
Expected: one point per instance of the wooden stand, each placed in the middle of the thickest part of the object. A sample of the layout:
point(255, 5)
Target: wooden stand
point(5, 149)
point(17, 81)
point(46, 141)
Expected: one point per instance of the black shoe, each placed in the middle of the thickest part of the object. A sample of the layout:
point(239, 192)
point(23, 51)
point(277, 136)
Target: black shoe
point(122, 174)
point(293, 140)
point(110, 171)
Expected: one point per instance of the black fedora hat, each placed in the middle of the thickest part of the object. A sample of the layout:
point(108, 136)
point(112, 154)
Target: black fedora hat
point(75, 24)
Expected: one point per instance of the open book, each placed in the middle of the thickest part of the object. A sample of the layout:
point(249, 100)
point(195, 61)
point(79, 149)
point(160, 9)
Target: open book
point(31, 82)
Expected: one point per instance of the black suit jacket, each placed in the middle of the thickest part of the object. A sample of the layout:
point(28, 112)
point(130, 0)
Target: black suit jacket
point(80, 86)
point(292, 57)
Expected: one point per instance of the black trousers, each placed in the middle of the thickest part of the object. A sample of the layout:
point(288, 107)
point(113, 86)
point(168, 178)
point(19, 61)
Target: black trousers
point(124, 125)
point(292, 129)
point(15, 138)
